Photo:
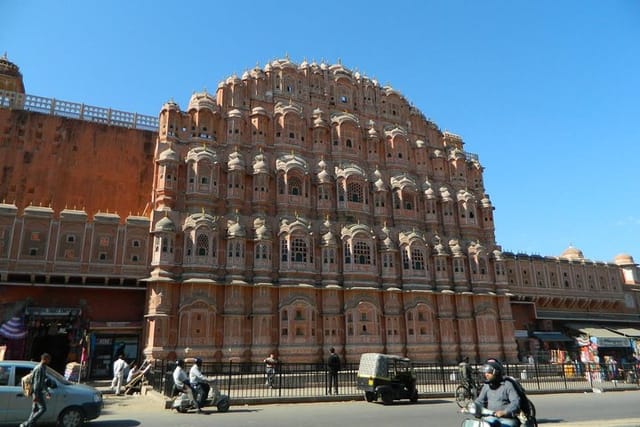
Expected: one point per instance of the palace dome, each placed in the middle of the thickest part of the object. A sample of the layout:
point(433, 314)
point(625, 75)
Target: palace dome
point(623, 259)
point(572, 253)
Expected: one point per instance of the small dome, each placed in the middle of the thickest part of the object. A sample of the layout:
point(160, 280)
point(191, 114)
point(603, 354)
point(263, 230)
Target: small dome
point(429, 193)
point(201, 100)
point(11, 70)
point(439, 248)
point(329, 239)
point(257, 73)
point(8, 68)
point(572, 253)
point(170, 106)
point(624, 259)
point(235, 113)
point(319, 122)
point(259, 111)
point(233, 80)
point(444, 193)
point(437, 154)
point(387, 243)
point(168, 155)
point(165, 225)
point(323, 176)
point(456, 249)
point(235, 161)
point(260, 164)
point(263, 232)
point(235, 230)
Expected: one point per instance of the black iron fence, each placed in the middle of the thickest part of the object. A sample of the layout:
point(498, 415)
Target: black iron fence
point(246, 381)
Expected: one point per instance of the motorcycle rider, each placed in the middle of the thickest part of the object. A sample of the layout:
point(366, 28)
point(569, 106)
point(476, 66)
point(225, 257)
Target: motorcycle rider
point(499, 396)
point(199, 382)
point(181, 381)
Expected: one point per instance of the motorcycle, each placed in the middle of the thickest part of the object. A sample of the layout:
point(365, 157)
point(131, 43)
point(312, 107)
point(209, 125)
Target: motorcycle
point(479, 412)
point(183, 403)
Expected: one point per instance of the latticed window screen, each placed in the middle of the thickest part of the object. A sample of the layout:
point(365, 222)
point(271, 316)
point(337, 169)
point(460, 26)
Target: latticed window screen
point(294, 186)
point(355, 192)
point(362, 253)
point(417, 259)
point(299, 250)
point(202, 245)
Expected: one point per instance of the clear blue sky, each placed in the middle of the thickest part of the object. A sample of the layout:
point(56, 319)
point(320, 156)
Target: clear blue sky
point(547, 93)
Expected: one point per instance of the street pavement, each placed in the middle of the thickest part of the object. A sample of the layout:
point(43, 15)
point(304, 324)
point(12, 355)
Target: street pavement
point(153, 402)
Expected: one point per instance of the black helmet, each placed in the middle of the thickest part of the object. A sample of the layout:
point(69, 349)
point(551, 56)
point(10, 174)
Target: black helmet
point(492, 366)
point(180, 362)
point(198, 361)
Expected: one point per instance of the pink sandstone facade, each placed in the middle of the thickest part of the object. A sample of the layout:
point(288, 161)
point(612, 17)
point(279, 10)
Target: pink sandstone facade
point(300, 207)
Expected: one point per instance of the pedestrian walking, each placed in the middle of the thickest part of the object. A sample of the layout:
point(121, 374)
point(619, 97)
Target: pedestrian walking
point(119, 368)
point(333, 364)
point(40, 391)
point(270, 369)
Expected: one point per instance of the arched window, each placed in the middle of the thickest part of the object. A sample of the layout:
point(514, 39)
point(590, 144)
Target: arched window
point(328, 255)
point(295, 186)
point(482, 265)
point(262, 252)
point(189, 244)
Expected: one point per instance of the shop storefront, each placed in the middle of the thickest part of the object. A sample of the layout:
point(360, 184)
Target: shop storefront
point(602, 350)
point(107, 340)
point(13, 335)
point(58, 331)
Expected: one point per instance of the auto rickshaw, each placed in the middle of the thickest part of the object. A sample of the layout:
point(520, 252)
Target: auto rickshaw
point(387, 377)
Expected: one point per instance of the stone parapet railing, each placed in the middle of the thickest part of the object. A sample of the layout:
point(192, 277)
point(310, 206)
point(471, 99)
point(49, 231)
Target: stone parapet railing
point(56, 107)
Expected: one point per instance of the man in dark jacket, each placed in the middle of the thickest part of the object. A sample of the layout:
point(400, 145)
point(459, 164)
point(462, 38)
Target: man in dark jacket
point(498, 395)
point(40, 390)
point(334, 366)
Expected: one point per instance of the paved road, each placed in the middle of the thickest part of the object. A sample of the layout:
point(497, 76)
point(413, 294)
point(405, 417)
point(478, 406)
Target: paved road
point(614, 409)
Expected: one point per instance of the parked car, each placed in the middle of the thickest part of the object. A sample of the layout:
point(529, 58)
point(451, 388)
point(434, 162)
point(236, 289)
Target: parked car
point(70, 405)
point(387, 377)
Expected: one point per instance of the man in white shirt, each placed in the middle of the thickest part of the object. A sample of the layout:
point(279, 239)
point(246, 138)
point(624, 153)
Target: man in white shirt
point(181, 381)
point(199, 382)
point(119, 367)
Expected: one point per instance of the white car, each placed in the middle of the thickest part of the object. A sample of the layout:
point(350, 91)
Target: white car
point(71, 404)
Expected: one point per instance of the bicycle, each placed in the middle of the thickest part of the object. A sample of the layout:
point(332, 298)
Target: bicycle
point(466, 393)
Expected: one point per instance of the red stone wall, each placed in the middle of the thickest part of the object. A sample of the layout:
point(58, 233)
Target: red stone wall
point(59, 162)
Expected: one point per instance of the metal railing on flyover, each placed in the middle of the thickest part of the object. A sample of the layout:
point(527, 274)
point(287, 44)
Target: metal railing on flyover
point(307, 380)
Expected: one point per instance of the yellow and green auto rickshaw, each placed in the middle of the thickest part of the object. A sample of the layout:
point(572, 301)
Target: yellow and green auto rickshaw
point(387, 377)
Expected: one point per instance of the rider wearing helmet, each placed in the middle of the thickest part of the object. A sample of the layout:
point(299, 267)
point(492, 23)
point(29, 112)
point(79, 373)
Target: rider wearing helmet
point(198, 381)
point(181, 381)
point(499, 396)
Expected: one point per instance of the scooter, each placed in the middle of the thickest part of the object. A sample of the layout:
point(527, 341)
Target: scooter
point(479, 412)
point(182, 403)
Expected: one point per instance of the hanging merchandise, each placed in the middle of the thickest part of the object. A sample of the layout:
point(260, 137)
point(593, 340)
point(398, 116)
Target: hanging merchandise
point(13, 329)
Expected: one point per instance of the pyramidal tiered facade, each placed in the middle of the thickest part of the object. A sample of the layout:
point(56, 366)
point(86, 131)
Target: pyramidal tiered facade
point(303, 207)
